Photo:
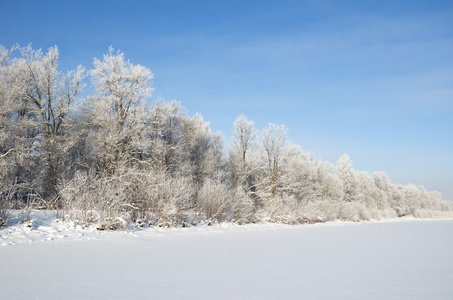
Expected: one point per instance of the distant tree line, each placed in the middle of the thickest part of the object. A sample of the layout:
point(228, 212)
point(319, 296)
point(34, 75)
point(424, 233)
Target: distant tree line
point(112, 158)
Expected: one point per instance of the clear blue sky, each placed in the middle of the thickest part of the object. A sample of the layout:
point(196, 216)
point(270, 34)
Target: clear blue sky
point(373, 79)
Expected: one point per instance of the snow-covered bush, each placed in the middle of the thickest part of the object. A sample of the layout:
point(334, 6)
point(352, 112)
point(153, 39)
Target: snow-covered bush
point(98, 198)
point(5, 212)
point(353, 211)
point(282, 209)
point(173, 199)
point(157, 197)
point(214, 200)
point(243, 207)
point(6, 203)
point(319, 211)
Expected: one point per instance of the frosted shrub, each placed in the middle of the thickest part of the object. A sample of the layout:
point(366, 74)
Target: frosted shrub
point(78, 197)
point(6, 203)
point(130, 194)
point(243, 207)
point(320, 211)
point(353, 211)
point(214, 200)
point(432, 214)
point(168, 199)
point(110, 202)
point(283, 209)
point(5, 212)
point(96, 197)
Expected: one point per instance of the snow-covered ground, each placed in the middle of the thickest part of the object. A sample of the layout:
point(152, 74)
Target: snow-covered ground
point(404, 259)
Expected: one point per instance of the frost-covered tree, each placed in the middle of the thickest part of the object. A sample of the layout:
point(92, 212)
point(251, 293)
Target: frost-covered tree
point(384, 185)
point(18, 131)
point(400, 201)
point(7, 104)
point(44, 98)
point(164, 135)
point(329, 182)
point(117, 106)
point(243, 153)
point(367, 190)
point(204, 149)
point(348, 177)
point(274, 146)
point(8, 148)
point(296, 169)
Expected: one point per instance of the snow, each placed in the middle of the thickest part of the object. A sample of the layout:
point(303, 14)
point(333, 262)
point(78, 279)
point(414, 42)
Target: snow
point(404, 259)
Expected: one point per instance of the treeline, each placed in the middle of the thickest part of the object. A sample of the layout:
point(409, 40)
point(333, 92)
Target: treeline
point(113, 159)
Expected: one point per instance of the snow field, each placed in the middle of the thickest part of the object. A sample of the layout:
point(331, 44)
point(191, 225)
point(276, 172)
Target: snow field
point(408, 259)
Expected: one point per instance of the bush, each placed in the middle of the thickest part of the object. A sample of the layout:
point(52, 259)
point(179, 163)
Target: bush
point(214, 200)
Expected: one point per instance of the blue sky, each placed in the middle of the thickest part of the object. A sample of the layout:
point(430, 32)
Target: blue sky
point(373, 79)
